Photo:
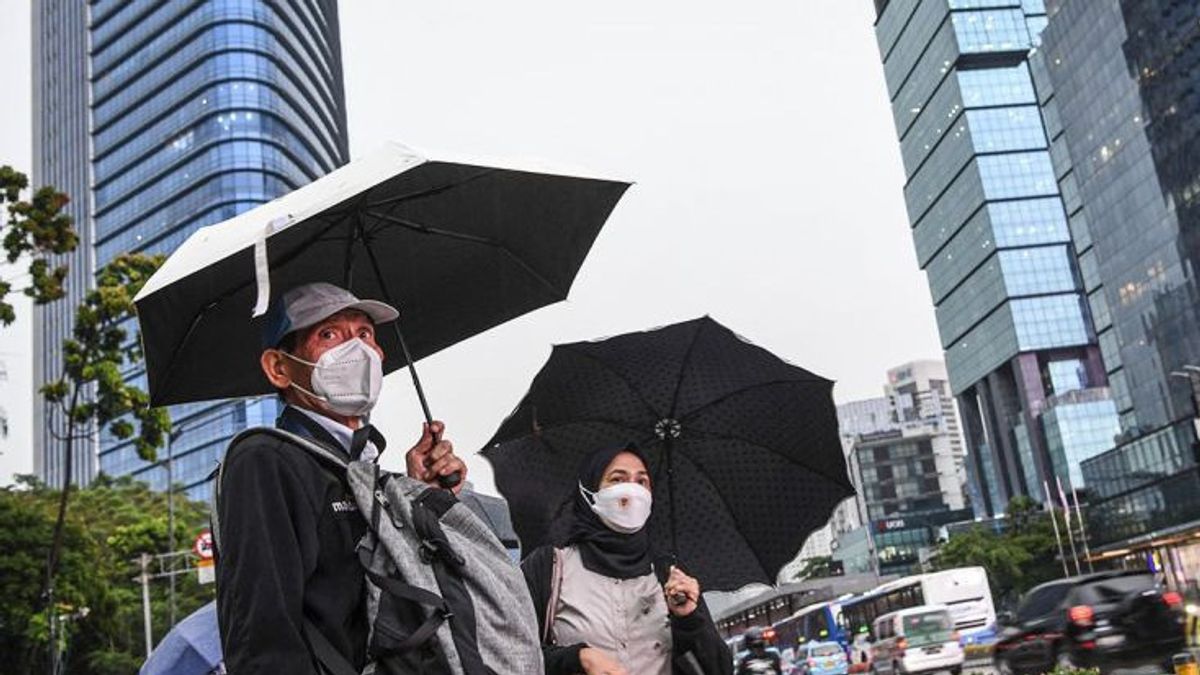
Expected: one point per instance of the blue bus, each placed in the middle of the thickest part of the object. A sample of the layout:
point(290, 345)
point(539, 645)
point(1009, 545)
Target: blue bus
point(821, 622)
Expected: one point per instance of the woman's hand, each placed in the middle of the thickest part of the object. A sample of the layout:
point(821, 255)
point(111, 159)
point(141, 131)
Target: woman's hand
point(682, 591)
point(596, 662)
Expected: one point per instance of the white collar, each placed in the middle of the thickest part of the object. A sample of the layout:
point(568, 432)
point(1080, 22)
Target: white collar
point(340, 432)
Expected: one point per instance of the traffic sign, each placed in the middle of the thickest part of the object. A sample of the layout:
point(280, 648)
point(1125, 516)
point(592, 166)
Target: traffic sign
point(203, 546)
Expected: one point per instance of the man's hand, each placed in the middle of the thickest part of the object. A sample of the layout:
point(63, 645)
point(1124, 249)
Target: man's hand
point(429, 459)
point(596, 662)
point(681, 589)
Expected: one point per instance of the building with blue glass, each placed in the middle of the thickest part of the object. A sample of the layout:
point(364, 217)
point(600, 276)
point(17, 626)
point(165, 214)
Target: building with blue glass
point(195, 112)
point(990, 227)
point(60, 158)
point(1124, 78)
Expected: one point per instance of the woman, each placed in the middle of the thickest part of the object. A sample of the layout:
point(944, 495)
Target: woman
point(603, 607)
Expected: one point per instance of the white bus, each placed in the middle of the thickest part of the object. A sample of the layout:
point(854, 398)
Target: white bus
point(964, 591)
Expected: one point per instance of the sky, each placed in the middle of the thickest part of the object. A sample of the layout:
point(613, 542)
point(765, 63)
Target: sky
point(767, 177)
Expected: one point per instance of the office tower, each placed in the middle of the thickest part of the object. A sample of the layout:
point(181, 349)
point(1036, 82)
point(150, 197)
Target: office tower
point(195, 112)
point(990, 231)
point(1122, 78)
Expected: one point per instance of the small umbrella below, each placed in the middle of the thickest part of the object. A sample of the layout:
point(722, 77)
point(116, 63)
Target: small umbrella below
point(192, 647)
point(744, 449)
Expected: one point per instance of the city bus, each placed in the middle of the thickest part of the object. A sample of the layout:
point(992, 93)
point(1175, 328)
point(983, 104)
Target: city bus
point(963, 590)
point(821, 622)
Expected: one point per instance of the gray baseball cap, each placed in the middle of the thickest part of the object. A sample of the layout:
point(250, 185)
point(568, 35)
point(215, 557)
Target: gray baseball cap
point(310, 304)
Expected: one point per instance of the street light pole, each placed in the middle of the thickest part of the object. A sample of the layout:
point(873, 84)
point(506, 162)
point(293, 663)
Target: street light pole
point(144, 560)
point(171, 515)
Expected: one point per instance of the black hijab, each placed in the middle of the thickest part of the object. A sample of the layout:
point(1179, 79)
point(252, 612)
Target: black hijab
point(604, 551)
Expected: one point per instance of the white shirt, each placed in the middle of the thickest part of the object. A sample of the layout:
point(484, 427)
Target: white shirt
point(342, 433)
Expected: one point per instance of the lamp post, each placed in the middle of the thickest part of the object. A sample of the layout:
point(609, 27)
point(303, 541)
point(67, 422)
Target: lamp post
point(171, 437)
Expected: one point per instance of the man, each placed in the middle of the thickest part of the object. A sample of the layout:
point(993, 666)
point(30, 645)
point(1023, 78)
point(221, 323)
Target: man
point(758, 660)
point(289, 524)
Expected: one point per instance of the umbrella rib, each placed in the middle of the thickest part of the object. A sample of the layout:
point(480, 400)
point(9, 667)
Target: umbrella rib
point(566, 423)
point(167, 379)
point(429, 192)
point(425, 229)
point(687, 358)
point(621, 377)
point(728, 509)
point(725, 397)
point(709, 435)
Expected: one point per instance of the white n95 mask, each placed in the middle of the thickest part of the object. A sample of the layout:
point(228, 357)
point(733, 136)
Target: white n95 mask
point(624, 507)
point(346, 378)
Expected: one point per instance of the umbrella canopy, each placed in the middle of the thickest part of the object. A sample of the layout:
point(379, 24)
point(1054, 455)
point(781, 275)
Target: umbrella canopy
point(744, 447)
point(459, 245)
point(193, 647)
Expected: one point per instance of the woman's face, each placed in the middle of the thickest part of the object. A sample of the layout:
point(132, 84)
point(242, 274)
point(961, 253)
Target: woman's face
point(625, 468)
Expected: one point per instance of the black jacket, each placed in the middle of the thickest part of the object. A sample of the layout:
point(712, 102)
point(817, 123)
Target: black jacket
point(288, 531)
point(694, 633)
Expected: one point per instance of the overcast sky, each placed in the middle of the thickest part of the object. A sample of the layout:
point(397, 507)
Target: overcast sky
point(768, 176)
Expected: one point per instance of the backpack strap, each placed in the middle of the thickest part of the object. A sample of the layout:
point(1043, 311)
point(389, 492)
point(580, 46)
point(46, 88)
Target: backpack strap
point(327, 655)
point(556, 578)
point(337, 461)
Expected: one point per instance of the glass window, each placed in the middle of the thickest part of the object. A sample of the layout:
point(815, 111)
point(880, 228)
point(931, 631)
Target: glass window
point(1006, 129)
point(999, 30)
point(1034, 271)
point(1047, 322)
point(988, 87)
point(1026, 174)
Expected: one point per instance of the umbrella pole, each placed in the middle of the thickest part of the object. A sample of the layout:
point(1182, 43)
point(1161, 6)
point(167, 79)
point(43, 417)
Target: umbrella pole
point(445, 481)
point(668, 445)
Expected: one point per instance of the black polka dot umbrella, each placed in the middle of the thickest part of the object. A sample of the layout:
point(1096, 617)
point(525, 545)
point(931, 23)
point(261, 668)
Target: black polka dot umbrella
point(743, 446)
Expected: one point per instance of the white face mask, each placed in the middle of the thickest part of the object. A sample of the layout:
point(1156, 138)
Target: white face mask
point(346, 378)
point(624, 507)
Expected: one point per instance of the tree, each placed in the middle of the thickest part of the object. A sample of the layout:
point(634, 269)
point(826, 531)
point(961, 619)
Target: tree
point(1017, 559)
point(99, 607)
point(93, 392)
point(36, 229)
point(815, 568)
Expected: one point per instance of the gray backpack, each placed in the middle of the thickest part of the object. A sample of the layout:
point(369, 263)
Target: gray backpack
point(443, 595)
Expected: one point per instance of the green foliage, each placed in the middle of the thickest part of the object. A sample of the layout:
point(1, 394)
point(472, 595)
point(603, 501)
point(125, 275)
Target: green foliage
point(36, 229)
point(815, 568)
point(1023, 556)
point(97, 353)
point(113, 522)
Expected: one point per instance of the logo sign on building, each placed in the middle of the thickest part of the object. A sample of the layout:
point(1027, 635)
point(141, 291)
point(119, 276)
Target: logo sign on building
point(890, 525)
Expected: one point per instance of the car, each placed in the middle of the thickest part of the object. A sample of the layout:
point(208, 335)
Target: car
point(1105, 620)
point(920, 639)
point(821, 658)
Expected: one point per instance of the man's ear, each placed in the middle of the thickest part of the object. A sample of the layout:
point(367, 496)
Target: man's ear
point(275, 367)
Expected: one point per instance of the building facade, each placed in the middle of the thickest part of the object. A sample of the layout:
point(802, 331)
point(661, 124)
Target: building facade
point(195, 112)
point(991, 232)
point(61, 152)
point(1123, 78)
point(906, 456)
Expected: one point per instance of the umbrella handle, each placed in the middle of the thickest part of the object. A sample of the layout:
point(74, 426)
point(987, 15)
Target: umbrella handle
point(453, 479)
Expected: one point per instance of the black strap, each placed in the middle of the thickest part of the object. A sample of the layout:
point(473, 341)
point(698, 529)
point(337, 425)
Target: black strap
point(426, 630)
point(331, 660)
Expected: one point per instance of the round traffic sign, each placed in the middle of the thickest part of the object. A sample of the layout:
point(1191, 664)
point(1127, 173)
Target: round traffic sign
point(203, 546)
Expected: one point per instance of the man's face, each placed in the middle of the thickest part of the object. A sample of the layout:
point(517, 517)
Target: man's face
point(310, 344)
point(344, 326)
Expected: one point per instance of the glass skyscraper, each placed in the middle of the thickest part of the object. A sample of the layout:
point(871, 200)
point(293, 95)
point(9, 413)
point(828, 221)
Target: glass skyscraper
point(1124, 76)
point(991, 231)
point(196, 112)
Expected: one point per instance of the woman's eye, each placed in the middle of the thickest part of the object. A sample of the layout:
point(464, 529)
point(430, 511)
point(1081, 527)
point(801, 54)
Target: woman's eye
point(327, 334)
